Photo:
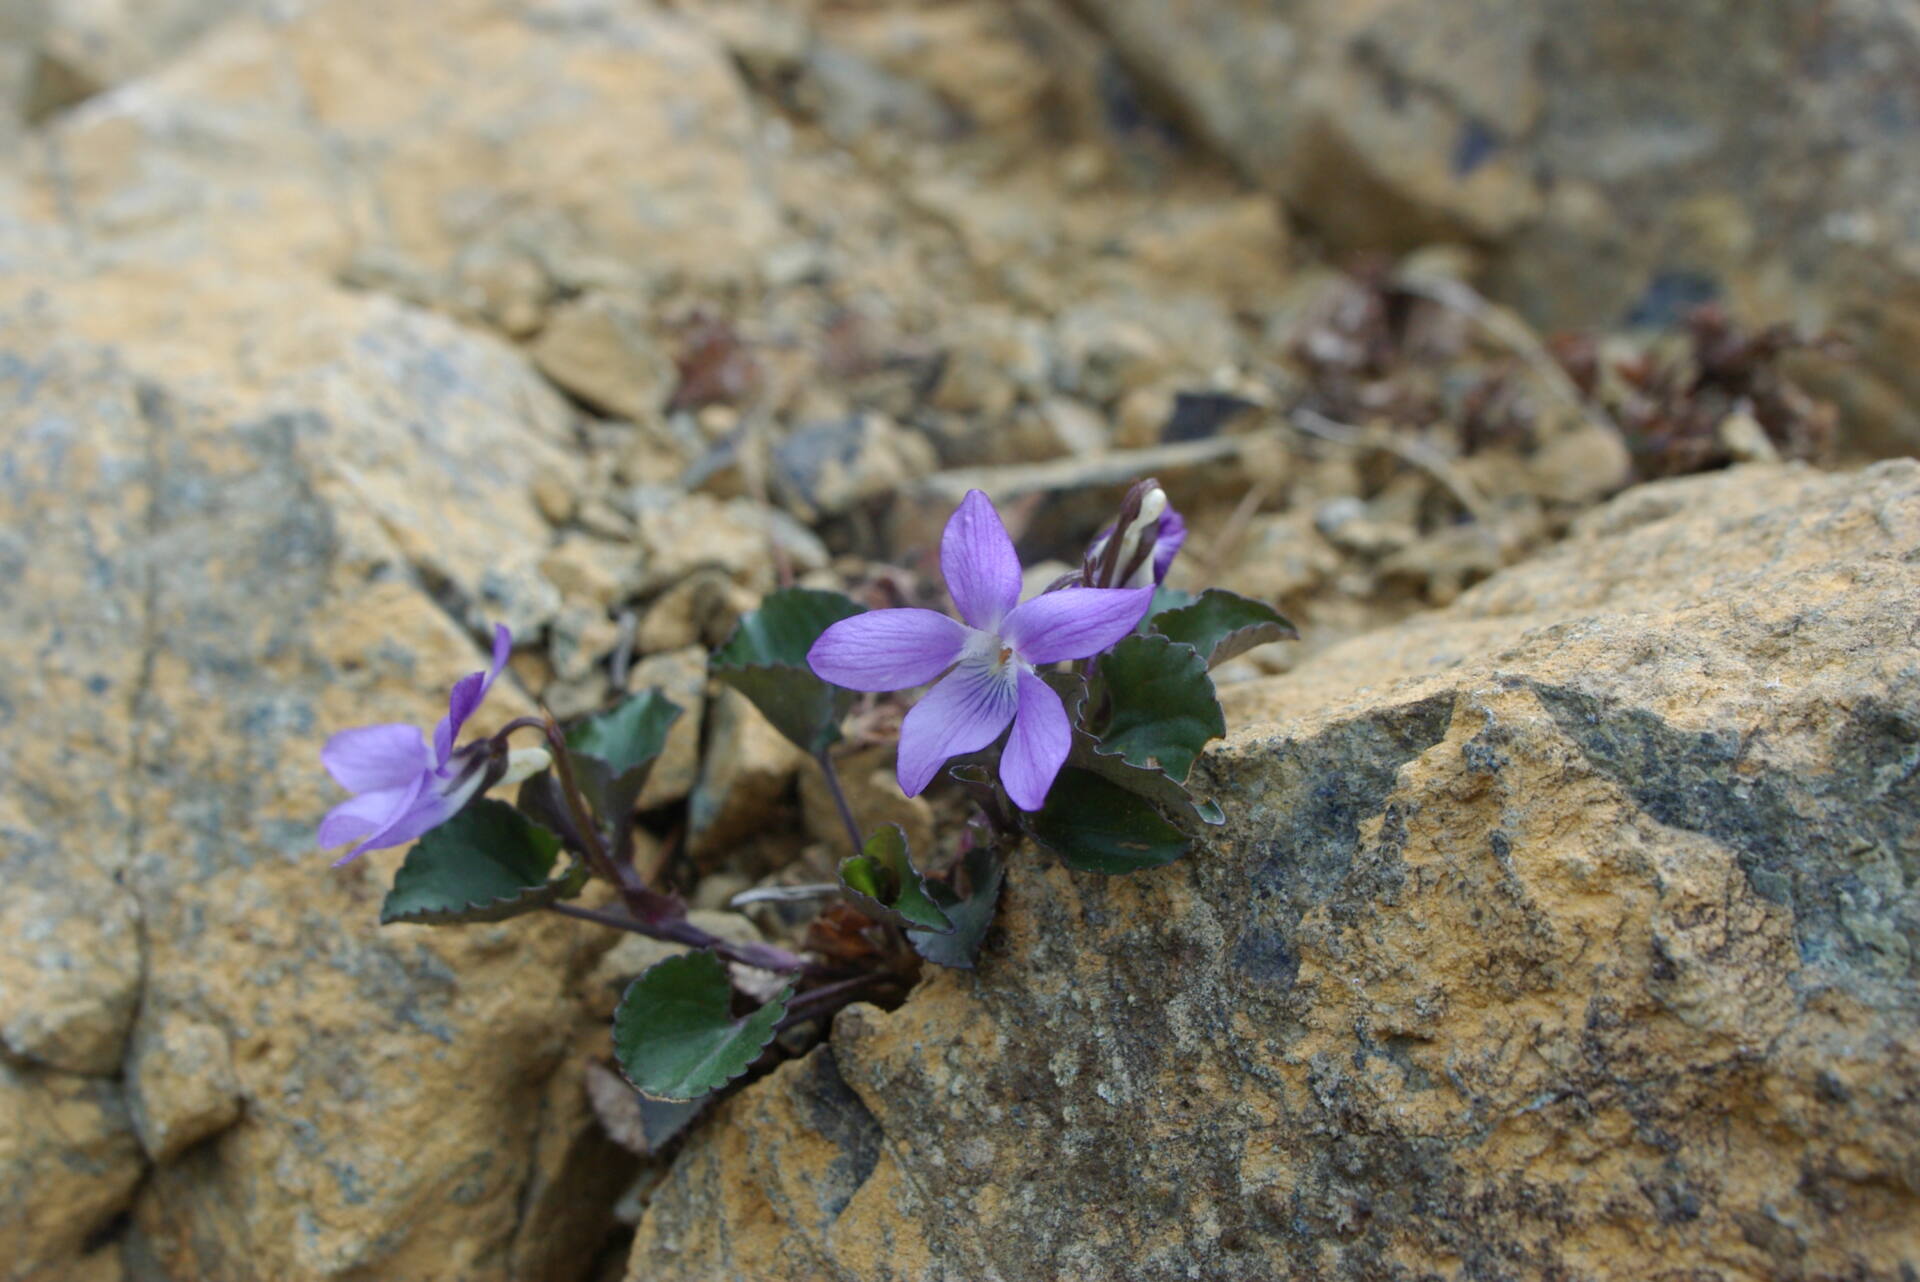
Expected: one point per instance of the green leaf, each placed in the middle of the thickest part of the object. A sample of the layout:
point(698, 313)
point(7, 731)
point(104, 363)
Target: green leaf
point(1098, 826)
point(487, 863)
point(1165, 599)
point(1157, 704)
point(613, 751)
point(640, 1125)
point(1221, 625)
point(675, 1033)
point(766, 660)
point(970, 912)
point(884, 883)
point(1170, 796)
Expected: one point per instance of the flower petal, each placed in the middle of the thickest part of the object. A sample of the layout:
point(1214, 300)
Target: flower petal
point(1074, 622)
point(981, 568)
point(367, 813)
point(398, 803)
point(887, 649)
point(965, 712)
point(370, 758)
point(1173, 532)
point(1038, 746)
point(425, 812)
point(469, 692)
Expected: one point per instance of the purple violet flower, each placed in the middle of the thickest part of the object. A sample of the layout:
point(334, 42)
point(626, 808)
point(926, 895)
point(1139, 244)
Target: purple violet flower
point(402, 788)
point(992, 656)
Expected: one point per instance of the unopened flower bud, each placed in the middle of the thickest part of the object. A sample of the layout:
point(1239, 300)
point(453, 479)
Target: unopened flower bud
point(1135, 550)
point(524, 763)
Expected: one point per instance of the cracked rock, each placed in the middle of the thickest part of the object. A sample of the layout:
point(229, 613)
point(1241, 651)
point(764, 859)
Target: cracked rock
point(181, 1085)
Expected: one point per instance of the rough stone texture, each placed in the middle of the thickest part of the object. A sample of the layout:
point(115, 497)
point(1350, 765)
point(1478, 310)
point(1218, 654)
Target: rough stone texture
point(680, 675)
point(1567, 932)
point(607, 143)
point(69, 962)
point(226, 513)
point(181, 1085)
point(68, 1165)
point(600, 351)
point(745, 775)
point(1762, 153)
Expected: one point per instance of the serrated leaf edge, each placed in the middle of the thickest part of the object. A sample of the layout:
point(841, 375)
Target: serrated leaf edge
point(880, 912)
point(1223, 649)
point(530, 896)
point(781, 998)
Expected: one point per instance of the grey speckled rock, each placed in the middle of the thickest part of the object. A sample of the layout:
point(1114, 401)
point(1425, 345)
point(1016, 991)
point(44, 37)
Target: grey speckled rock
point(1568, 932)
point(1757, 152)
point(234, 516)
point(68, 1164)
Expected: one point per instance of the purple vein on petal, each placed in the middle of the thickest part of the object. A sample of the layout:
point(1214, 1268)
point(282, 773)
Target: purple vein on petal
point(981, 568)
point(887, 649)
point(1038, 746)
point(965, 712)
point(1074, 622)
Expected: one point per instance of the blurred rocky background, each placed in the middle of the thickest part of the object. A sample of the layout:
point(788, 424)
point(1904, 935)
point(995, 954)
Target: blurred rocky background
point(1534, 358)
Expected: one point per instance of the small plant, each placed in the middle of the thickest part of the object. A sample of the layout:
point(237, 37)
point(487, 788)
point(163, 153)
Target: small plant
point(1071, 720)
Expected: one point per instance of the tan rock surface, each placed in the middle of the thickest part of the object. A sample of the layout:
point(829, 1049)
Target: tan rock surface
point(1568, 931)
point(222, 526)
point(68, 1164)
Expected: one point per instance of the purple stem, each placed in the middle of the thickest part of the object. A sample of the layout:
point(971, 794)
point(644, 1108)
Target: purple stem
point(798, 1009)
point(682, 931)
point(840, 799)
point(646, 905)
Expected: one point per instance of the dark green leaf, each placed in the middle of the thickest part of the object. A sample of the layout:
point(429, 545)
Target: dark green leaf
point(487, 863)
point(1098, 826)
point(613, 751)
point(1169, 795)
point(1221, 625)
point(884, 883)
point(766, 660)
point(1156, 704)
point(1164, 599)
point(675, 1033)
point(970, 910)
point(640, 1125)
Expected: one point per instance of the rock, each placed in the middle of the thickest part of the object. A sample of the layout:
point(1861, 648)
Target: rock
point(68, 1164)
point(70, 966)
point(181, 1085)
point(824, 469)
point(701, 608)
point(1567, 928)
point(994, 358)
point(97, 44)
point(253, 502)
point(600, 350)
point(873, 793)
point(579, 640)
point(1682, 153)
point(681, 533)
point(680, 675)
point(744, 776)
point(575, 1166)
point(611, 145)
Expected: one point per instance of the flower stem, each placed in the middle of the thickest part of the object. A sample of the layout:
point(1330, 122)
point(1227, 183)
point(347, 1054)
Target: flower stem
point(682, 931)
point(840, 799)
point(800, 1008)
point(648, 905)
